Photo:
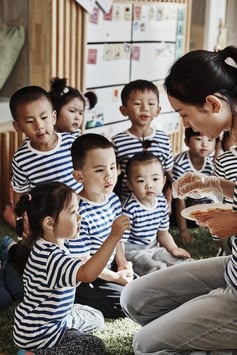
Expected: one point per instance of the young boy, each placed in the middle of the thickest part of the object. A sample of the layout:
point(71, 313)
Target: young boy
point(94, 164)
point(44, 155)
point(149, 245)
point(197, 158)
point(140, 103)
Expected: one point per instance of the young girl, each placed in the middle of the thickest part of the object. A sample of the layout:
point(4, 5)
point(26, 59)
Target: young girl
point(70, 105)
point(47, 321)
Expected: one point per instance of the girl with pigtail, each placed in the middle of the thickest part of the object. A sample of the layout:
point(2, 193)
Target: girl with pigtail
point(47, 321)
point(70, 105)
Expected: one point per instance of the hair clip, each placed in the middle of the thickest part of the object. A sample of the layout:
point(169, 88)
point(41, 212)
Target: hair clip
point(19, 218)
point(65, 91)
point(29, 197)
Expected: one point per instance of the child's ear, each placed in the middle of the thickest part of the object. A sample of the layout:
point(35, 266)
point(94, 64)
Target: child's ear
point(123, 110)
point(129, 185)
point(17, 126)
point(54, 117)
point(77, 174)
point(48, 223)
point(186, 142)
point(158, 110)
point(164, 180)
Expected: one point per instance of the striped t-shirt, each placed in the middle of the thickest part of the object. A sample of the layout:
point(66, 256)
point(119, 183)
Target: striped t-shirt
point(31, 167)
point(183, 164)
point(231, 268)
point(96, 223)
point(226, 167)
point(49, 289)
point(126, 145)
point(145, 222)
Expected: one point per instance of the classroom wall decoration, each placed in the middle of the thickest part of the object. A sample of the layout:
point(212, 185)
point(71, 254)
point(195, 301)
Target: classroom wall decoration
point(131, 41)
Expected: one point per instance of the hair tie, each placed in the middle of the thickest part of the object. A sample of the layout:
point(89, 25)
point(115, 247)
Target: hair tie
point(65, 91)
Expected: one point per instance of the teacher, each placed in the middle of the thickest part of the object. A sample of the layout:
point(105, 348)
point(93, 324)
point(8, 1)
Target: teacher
point(193, 307)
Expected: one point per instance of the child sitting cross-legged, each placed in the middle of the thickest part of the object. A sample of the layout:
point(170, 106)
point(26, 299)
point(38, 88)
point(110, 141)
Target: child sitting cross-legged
point(47, 321)
point(149, 245)
point(94, 164)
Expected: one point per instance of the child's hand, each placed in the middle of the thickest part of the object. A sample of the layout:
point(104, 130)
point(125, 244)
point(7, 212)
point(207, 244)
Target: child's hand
point(186, 236)
point(124, 276)
point(119, 226)
point(180, 253)
point(126, 266)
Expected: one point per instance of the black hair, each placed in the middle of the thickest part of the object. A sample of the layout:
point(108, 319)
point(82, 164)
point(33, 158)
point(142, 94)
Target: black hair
point(26, 95)
point(141, 157)
point(226, 137)
point(46, 199)
point(200, 73)
point(189, 132)
point(83, 144)
point(61, 94)
point(138, 85)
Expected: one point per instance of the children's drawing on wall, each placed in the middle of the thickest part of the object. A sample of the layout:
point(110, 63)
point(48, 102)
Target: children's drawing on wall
point(102, 114)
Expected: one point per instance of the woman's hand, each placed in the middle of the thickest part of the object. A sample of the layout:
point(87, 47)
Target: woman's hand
point(222, 224)
point(197, 185)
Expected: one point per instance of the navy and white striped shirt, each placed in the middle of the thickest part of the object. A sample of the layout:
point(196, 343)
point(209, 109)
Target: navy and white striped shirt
point(32, 167)
point(145, 222)
point(226, 167)
point(50, 278)
point(231, 268)
point(96, 223)
point(126, 145)
point(183, 164)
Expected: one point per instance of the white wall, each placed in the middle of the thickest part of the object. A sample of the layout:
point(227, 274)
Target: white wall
point(215, 13)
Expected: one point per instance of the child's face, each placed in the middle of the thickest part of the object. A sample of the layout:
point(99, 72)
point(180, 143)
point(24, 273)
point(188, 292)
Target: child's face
point(142, 107)
point(71, 115)
point(146, 180)
point(68, 225)
point(36, 119)
point(201, 146)
point(99, 173)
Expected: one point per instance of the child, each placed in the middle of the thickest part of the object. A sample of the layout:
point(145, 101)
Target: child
point(47, 320)
point(140, 102)
point(45, 154)
point(94, 164)
point(225, 165)
point(196, 158)
point(149, 244)
point(69, 104)
point(11, 287)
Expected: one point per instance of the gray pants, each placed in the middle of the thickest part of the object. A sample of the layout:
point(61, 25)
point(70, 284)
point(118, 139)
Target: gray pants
point(150, 258)
point(183, 308)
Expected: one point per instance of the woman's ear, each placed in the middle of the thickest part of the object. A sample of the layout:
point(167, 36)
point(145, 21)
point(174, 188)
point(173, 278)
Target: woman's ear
point(213, 104)
point(123, 110)
point(77, 175)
